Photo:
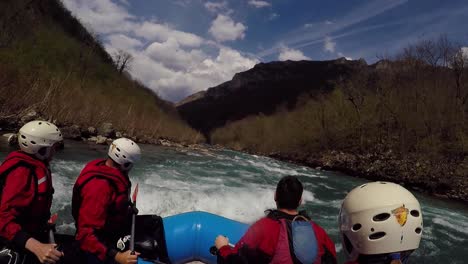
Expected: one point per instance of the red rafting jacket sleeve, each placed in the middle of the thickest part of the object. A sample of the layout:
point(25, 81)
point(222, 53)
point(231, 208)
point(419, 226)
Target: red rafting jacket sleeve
point(18, 193)
point(96, 197)
point(256, 246)
point(327, 250)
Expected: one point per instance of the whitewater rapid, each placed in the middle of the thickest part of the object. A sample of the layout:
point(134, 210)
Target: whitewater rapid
point(241, 186)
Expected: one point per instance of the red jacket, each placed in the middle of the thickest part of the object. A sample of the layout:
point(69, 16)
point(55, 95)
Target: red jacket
point(25, 199)
point(259, 243)
point(100, 206)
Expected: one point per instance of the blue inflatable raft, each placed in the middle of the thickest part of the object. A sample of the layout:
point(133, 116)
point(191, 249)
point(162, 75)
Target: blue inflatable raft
point(189, 236)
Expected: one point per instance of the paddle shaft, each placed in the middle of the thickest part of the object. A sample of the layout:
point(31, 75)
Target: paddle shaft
point(51, 236)
point(132, 238)
point(134, 213)
point(214, 250)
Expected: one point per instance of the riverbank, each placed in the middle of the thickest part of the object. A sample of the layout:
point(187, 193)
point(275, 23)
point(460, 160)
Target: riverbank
point(439, 178)
point(100, 134)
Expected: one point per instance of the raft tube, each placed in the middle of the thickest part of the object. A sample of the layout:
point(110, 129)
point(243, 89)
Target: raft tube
point(189, 236)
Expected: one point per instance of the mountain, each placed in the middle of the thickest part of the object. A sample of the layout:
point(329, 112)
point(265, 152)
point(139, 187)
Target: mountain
point(52, 65)
point(262, 89)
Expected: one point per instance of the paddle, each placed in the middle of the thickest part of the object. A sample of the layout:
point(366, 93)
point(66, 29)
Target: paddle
point(214, 250)
point(134, 213)
point(51, 224)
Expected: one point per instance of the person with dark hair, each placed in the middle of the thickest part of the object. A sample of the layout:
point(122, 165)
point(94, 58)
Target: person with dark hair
point(285, 235)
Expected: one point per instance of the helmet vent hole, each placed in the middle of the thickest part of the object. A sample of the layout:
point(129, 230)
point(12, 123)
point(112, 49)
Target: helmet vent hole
point(124, 156)
point(132, 143)
point(117, 155)
point(60, 135)
point(40, 123)
point(377, 235)
point(362, 186)
point(383, 183)
point(33, 142)
point(118, 149)
point(356, 227)
point(418, 230)
point(23, 137)
point(24, 144)
point(381, 217)
point(56, 129)
point(415, 213)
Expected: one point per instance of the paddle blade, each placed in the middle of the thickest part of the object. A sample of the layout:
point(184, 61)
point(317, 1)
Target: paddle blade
point(135, 194)
point(53, 219)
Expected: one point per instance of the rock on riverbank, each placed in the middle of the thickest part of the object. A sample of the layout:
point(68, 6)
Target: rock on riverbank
point(442, 178)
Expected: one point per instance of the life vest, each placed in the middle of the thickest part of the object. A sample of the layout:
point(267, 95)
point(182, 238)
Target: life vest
point(35, 218)
point(118, 211)
point(297, 242)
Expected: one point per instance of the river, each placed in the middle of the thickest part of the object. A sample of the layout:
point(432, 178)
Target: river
point(241, 187)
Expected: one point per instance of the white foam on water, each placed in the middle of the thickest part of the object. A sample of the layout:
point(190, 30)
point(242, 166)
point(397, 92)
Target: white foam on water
point(66, 228)
point(241, 204)
point(428, 249)
point(279, 169)
point(67, 166)
point(245, 203)
point(335, 203)
point(338, 247)
point(308, 196)
point(461, 227)
point(64, 174)
point(326, 186)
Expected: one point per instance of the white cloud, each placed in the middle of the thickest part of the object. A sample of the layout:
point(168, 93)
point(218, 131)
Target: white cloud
point(465, 51)
point(341, 55)
point(160, 32)
point(125, 2)
point(224, 28)
point(183, 3)
point(171, 62)
point(259, 3)
point(362, 12)
point(210, 72)
point(291, 54)
point(120, 41)
point(170, 55)
point(328, 22)
point(102, 16)
point(273, 16)
point(329, 45)
point(216, 6)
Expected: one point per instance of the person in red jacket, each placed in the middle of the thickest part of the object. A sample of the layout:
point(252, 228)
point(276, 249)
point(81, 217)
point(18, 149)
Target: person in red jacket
point(101, 205)
point(283, 236)
point(380, 222)
point(26, 196)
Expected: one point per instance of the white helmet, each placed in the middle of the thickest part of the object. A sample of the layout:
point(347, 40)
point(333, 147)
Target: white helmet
point(124, 152)
point(38, 137)
point(378, 218)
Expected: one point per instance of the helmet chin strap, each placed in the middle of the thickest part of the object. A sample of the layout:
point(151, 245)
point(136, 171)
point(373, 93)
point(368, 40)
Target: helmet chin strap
point(43, 153)
point(121, 167)
point(125, 168)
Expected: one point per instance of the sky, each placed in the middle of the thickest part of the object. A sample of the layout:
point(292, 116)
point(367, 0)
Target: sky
point(181, 47)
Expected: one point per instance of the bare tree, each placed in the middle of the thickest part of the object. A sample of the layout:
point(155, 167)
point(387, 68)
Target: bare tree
point(459, 65)
point(354, 91)
point(122, 60)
